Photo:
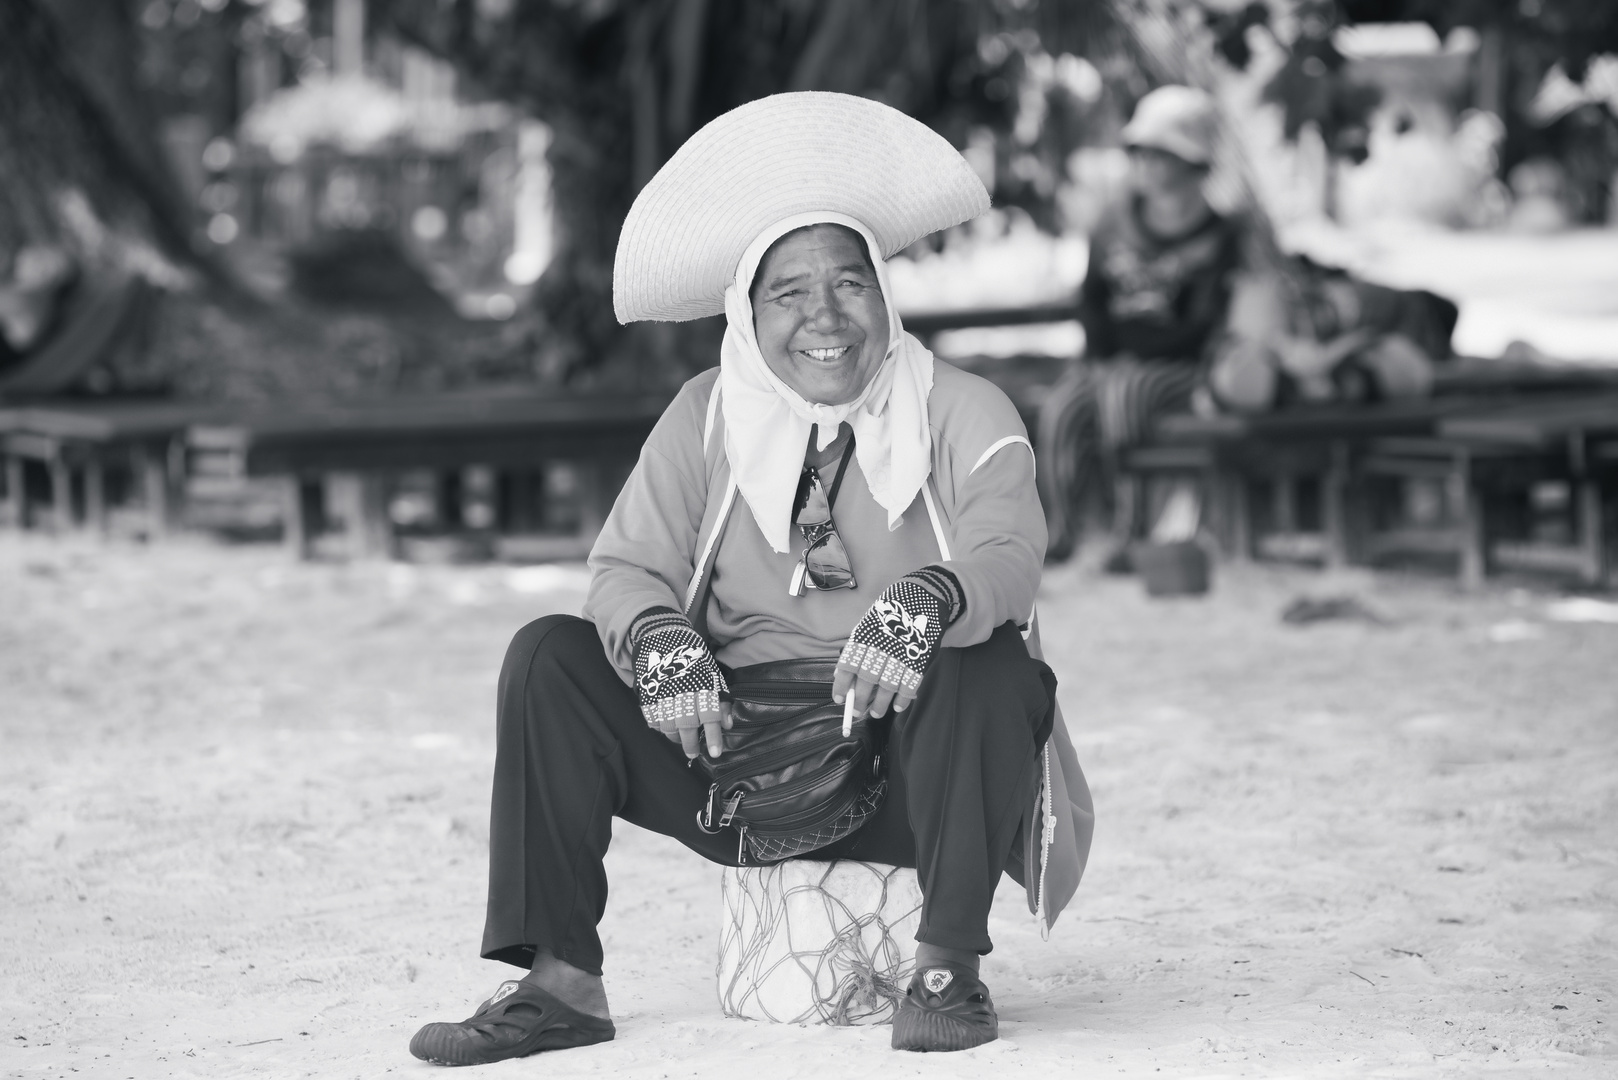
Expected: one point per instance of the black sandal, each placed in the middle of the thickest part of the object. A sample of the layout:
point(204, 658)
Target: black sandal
point(947, 1008)
point(517, 1021)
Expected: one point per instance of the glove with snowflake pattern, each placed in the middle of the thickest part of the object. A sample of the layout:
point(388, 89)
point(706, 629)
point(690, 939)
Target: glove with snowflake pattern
point(678, 680)
point(891, 646)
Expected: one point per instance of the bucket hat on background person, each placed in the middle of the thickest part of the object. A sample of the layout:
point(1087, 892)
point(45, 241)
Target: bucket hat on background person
point(1178, 120)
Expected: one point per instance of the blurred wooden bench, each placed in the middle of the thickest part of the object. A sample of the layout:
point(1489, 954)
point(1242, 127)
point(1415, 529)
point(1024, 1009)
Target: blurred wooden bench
point(95, 454)
point(1307, 482)
point(1282, 484)
point(1489, 458)
point(353, 448)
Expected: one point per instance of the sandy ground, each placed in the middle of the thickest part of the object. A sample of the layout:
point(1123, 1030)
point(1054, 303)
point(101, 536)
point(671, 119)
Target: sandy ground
point(243, 817)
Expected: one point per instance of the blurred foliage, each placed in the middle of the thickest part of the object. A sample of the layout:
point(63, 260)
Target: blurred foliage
point(1538, 33)
point(1313, 88)
point(78, 168)
point(1230, 29)
point(84, 88)
point(217, 347)
point(622, 83)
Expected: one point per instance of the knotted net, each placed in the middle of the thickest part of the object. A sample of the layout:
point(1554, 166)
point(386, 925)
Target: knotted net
point(817, 943)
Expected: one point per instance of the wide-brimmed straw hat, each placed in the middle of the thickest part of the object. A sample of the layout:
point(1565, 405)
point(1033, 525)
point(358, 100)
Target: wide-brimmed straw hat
point(771, 159)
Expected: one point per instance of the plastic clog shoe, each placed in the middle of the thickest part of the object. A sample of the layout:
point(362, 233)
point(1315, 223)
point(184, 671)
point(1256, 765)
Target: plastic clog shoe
point(946, 1008)
point(517, 1021)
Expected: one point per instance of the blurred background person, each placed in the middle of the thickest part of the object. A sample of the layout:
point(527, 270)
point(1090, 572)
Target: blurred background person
point(1306, 333)
point(1155, 296)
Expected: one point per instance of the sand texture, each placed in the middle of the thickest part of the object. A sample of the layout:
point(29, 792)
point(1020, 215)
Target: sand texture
point(243, 816)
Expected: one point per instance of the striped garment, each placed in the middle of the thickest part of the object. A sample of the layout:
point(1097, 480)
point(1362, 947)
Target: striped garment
point(1097, 410)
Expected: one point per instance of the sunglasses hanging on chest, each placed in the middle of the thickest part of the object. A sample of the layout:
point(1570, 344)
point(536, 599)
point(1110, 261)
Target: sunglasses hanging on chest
point(824, 564)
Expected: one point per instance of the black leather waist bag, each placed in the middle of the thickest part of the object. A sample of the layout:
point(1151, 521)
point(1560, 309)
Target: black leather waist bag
point(790, 782)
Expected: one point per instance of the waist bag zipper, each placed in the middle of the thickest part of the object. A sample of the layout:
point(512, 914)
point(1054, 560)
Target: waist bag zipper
point(705, 820)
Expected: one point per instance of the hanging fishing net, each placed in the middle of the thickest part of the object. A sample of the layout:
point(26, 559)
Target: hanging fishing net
point(817, 943)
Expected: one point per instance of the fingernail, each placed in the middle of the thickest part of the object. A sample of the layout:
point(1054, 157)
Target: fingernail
point(713, 751)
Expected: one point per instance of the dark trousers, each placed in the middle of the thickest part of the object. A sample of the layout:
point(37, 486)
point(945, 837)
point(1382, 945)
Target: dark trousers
point(573, 751)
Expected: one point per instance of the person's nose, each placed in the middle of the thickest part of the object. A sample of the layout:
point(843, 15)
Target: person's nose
point(826, 314)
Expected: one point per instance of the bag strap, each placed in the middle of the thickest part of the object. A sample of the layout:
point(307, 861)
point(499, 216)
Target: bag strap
point(696, 596)
point(842, 467)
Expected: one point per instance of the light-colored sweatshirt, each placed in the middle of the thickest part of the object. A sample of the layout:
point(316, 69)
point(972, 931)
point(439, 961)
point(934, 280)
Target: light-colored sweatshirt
point(649, 549)
point(667, 524)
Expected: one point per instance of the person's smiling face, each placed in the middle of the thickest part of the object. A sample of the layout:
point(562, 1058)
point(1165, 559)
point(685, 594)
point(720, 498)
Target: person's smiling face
point(819, 314)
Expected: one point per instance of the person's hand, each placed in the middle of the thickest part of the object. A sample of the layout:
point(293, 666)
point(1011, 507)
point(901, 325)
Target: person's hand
point(1306, 359)
point(888, 652)
point(679, 682)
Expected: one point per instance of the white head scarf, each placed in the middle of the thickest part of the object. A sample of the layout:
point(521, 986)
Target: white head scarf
point(767, 423)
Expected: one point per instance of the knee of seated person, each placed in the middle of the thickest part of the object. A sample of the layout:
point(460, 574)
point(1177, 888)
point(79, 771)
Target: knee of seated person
point(1244, 378)
point(1002, 667)
point(1402, 371)
point(563, 639)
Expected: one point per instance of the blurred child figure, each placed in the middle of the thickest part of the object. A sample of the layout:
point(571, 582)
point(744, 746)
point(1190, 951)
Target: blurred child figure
point(1316, 334)
point(1153, 302)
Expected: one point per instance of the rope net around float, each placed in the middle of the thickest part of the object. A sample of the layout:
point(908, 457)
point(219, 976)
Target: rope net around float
point(817, 943)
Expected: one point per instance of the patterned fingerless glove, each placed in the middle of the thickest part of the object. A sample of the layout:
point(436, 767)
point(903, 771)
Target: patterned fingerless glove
point(674, 671)
point(896, 639)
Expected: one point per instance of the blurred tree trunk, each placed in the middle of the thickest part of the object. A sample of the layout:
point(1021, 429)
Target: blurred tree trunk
point(76, 175)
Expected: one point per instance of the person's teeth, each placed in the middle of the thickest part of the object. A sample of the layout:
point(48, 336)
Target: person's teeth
point(826, 354)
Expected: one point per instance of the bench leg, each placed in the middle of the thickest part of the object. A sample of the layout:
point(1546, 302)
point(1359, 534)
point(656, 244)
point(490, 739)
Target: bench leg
point(16, 506)
point(361, 503)
point(1284, 504)
point(300, 504)
point(61, 494)
point(95, 496)
point(1216, 509)
point(1240, 509)
point(448, 499)
point(522, 501)
point(154, 480)
point(374, 529)
point(1592, 536)
point(1333, 511)
point(1473, 534)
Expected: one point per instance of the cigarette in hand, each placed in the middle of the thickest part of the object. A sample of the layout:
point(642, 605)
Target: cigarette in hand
point(848, 714)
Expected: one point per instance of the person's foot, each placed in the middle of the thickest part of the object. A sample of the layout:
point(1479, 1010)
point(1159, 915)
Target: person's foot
point(947, 1008)
point(520, 1019)
point(573, 987)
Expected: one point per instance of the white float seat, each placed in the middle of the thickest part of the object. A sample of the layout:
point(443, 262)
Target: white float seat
point(806, 942)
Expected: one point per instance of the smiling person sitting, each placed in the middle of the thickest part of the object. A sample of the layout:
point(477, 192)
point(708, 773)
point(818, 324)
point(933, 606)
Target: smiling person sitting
point(831, 510)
